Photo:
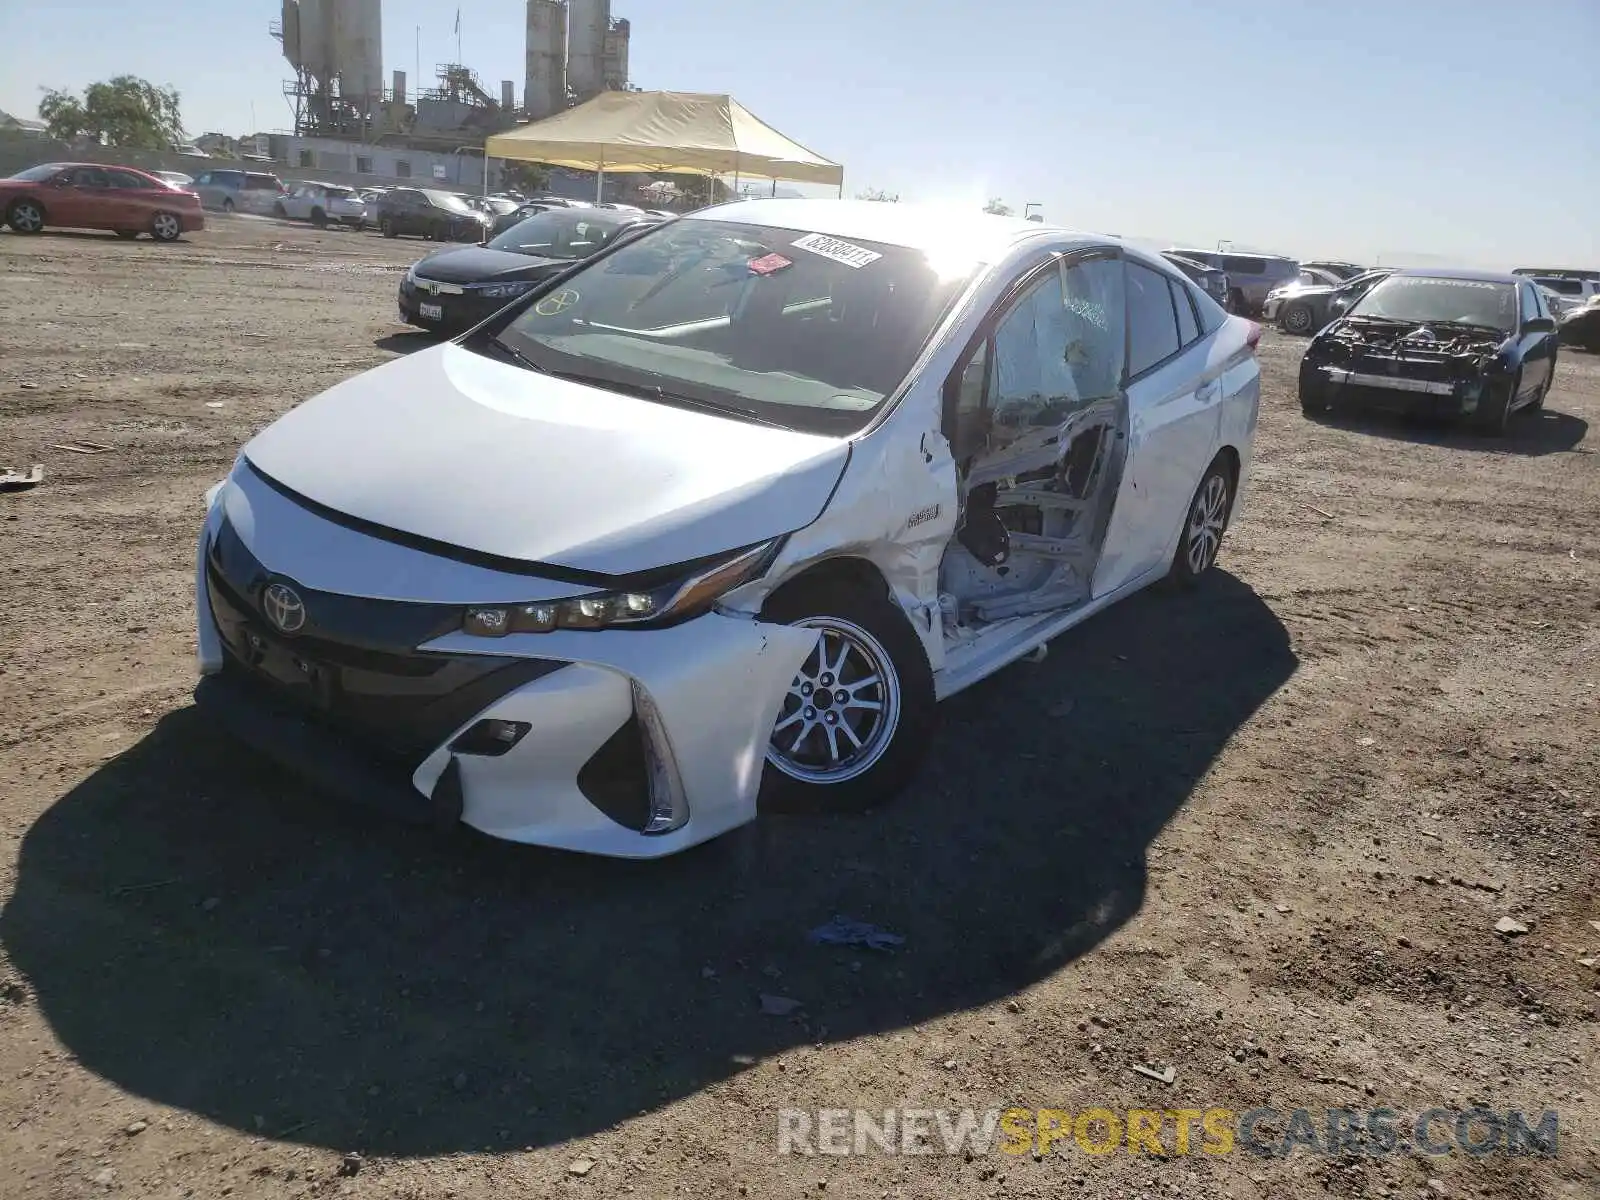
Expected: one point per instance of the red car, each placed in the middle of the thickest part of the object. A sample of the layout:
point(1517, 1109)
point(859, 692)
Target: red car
point(90, 196)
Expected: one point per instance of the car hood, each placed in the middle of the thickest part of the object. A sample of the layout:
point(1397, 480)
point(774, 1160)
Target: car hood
point(1297, 293)
point(476, 264)
point(482, 455)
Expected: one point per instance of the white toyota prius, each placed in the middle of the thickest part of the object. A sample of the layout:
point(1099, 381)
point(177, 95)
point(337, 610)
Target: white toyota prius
point(709, 522)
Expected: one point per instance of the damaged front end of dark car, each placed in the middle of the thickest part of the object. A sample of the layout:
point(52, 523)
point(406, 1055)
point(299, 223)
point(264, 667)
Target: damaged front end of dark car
point(1479, 362)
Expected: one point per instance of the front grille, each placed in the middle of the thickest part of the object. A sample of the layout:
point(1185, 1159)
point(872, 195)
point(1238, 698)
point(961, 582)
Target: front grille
point(1429, 368)
point(355, 665)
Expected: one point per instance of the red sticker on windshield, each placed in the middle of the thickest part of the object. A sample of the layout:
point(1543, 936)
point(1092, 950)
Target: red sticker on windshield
point(767, 264)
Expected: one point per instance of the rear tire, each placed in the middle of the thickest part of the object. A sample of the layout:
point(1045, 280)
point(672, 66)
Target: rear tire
point(1204, 523)
point(386, 227)
point(852, 730)
point(1236, 301)
point(25, 216)
point(166, 227)
point(227, 204)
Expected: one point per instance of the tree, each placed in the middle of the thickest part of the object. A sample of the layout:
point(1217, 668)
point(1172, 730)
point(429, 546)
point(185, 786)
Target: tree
point(525, 176)
point(998, 207)
point(125, 111)
point(878, 194)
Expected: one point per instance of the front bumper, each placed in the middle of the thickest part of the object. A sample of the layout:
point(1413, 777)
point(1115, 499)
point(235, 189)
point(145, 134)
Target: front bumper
point(458, 309)
point(622, 725)
point(1269, 310)
point(1344, 388)
point(191, 220)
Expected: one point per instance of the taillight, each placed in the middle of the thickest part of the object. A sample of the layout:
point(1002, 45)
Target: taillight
point(1253, 337)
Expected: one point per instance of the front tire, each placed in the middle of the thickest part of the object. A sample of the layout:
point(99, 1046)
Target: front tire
point(1493, 417)
point(25, 216)
point(227, 205)
point(1204, 524)
point(165, 227)
point(1236, 302)
point(859, 711)
point(1296, 318)
point(319, 218)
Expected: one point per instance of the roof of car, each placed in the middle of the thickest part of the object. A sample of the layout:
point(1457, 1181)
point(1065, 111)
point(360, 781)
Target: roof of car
point(1459, 273)
point(915, 226)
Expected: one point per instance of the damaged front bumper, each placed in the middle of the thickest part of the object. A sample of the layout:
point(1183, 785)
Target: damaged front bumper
point(632, 743)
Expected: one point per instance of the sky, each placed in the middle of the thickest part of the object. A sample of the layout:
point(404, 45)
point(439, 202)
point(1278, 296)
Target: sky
point(1374, 130)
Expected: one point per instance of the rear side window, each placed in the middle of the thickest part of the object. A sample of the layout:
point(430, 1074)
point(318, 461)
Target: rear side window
point(1211, 314)
point(268, 182)
point(1152, 323)
point(228, 178)
point(127, 179)
point(1241, 264)
point(1188, 325)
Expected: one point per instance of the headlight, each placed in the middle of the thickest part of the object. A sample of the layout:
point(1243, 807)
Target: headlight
point(677, 600)
point(496, 290)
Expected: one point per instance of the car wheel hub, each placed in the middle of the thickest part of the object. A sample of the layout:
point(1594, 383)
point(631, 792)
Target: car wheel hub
point(1298, 319)
point(26, 218)
point(841, 711)
point(1206, 522)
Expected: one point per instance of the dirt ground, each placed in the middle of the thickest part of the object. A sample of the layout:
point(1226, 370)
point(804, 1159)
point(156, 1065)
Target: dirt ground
point(1262, 836)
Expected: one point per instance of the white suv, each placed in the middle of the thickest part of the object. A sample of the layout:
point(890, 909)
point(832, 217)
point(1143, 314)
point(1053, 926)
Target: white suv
point(321, 203)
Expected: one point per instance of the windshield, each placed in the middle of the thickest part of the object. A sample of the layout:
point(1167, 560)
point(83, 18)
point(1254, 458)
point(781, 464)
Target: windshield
point(446, 200)
point(559, 233)
point(37, 174)
point(1423, 300)
point(780, 325)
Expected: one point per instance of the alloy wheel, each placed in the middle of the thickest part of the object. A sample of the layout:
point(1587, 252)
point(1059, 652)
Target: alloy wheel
point(1207, 519)
point(165, 226)
point(26, 218)
point(842, 708)
point(1297, 319)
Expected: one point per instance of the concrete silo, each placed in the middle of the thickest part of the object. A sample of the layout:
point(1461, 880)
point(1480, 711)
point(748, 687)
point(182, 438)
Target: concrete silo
point(588, 22)
point(545, 85)
point(355, 41)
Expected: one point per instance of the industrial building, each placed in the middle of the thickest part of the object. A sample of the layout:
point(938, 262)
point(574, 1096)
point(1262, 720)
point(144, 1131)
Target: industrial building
point(574, 51)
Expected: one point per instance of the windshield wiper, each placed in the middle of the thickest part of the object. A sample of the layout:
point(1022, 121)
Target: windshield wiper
point(654, 391)
point(494, 345)
point(1464, 325)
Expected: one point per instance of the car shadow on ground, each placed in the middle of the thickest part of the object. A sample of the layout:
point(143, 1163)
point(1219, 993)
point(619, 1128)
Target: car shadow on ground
point(1531, 433)
point(408, 342)
point(204, 934)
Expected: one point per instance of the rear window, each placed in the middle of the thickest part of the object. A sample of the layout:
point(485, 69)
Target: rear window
point(1567, 287)
point(1241, 264)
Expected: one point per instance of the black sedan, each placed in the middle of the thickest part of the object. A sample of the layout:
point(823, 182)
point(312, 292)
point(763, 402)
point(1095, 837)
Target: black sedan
point(455, 289)
point(1436, 343)
point(424, 212)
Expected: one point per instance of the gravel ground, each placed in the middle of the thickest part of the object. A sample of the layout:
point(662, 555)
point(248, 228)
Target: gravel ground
point(1262, 836)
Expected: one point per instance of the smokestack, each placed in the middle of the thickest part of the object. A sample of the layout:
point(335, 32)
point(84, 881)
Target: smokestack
point(399, 87)
point(508, 95)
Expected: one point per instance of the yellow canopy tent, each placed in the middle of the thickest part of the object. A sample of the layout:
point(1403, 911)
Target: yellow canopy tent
point(687, 132)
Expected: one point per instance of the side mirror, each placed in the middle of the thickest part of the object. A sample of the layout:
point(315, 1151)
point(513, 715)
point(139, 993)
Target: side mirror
point(1539, 325)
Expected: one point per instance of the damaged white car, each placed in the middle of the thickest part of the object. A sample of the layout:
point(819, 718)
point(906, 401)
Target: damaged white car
point(710, 522)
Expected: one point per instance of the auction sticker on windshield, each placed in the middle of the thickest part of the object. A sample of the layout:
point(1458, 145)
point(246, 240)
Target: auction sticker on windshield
point(840, 252)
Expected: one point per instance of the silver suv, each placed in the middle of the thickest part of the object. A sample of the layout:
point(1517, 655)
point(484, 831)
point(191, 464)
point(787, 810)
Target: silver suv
point(1250, 276)
point(238, 191)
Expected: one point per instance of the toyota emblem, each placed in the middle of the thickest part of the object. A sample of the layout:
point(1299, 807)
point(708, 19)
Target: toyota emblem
point(283, 607)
